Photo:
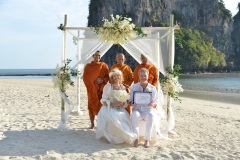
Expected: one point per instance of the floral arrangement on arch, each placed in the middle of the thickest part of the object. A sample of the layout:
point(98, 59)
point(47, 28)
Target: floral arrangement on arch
point(62, 78)
point(118, 30)
point(170, 84)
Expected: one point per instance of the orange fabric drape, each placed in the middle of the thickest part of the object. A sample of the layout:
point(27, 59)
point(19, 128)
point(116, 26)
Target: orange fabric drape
point(92, 71)
point(153, 74)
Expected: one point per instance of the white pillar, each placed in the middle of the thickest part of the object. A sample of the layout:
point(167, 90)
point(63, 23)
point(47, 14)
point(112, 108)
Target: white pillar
point(172, 43)
point(170, 115)
point(62, 125)
point(64, 48)
point(78, 77)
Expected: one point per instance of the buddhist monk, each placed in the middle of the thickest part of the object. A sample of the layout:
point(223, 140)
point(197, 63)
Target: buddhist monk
point(127, 73)
point(153, 72)
point(95, 76)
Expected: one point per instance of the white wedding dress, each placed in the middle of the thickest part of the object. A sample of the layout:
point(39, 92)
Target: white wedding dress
point(112, 123)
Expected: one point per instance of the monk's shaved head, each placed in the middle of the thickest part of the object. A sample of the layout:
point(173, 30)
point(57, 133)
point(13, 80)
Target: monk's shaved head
point(120, 58)
point(144, 59)
point(96, 56)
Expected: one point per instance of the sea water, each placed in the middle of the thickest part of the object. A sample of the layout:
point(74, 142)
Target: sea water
point(226, 83)
point(217, 82)
point(26, 73)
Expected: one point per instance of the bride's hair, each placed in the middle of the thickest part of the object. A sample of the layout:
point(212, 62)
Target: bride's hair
point(114, 72)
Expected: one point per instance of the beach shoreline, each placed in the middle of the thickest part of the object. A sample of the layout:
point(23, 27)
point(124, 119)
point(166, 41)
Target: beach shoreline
point(227, 98)
point(206, 128)
point(211, 74)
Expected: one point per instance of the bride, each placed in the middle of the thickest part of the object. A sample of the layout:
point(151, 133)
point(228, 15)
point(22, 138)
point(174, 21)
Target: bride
point(113, 121)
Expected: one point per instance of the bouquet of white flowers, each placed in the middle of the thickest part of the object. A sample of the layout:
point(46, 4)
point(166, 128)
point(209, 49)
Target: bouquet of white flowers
point(170, 84)
point(119, 95)
point(118, 30)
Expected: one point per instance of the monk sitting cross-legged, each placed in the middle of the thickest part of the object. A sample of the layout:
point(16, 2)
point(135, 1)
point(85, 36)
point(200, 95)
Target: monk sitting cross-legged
point(95, 76)
point(127, 73)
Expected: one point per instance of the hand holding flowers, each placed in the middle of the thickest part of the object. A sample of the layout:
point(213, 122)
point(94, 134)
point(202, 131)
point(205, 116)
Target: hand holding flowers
point(118, 98)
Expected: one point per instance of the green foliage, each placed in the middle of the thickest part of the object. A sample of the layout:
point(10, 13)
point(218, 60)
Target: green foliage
point(175, 71)
point(198, 52)
point(162, 24)
point(178, 16)
point(178, 38)
point(62, 78)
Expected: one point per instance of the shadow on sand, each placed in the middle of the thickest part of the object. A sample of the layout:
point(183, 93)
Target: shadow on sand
point(38, 142)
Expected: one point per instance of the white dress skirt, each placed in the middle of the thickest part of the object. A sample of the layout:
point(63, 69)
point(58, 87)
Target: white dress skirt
point(112, 123)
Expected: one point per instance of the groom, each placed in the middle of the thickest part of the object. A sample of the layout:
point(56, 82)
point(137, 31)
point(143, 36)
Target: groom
point(145, 112)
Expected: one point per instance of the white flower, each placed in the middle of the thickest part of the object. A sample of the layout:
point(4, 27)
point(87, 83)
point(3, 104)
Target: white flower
point(112, 17)
point(62, 78)
point(119, 95)
point(171, 86)
point(149, 89)
point(118, 30)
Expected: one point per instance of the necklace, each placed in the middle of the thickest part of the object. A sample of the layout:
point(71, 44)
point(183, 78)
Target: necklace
point(116, 87)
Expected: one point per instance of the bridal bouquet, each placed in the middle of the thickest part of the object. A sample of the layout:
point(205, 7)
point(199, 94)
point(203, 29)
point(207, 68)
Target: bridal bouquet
point(119, 95)
point(118, 30)
point(170, 84)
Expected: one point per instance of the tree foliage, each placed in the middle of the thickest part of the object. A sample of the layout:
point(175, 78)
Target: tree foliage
point(198, 52)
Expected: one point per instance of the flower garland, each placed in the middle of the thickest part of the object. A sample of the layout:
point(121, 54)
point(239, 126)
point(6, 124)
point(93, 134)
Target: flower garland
point(62, 78)
point(170, 84)
point(118, 30)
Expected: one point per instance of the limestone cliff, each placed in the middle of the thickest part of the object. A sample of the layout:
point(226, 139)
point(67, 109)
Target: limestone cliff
point(236, 40)
point(208, 15)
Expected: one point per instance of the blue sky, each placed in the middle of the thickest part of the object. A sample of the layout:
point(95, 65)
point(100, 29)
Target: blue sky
point(29, 35)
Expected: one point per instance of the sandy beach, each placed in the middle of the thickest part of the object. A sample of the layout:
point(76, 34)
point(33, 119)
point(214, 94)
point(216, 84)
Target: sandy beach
point(207, 124)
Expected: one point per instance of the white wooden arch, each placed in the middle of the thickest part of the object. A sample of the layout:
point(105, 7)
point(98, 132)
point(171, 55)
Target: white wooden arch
point(158, 46)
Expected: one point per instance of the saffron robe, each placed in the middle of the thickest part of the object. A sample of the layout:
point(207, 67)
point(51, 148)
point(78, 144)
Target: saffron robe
point(93, 71)
point(153, 77)
point(127, 74)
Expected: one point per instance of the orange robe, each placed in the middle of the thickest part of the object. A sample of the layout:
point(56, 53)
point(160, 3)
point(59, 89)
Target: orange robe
point(153, 74)
point(127, 76)
point(92, 71)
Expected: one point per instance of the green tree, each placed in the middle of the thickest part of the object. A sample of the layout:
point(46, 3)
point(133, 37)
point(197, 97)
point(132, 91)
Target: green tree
point(198, 52)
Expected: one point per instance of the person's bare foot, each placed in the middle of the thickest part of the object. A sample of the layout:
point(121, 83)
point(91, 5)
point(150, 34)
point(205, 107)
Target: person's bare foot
point(146, 144)
point(91, 127)
point(135, 144)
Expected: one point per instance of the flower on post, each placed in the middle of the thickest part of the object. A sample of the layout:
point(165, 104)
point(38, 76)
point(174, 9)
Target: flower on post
point(170, 84)
point(62, 78)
